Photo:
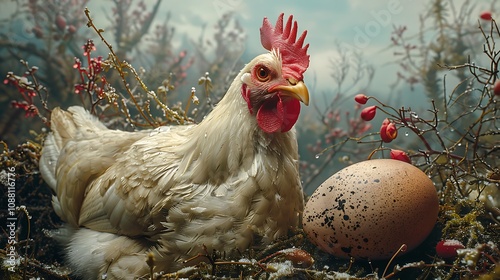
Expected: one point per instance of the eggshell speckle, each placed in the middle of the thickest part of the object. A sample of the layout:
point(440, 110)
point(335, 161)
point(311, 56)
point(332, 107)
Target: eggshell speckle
point(370, 209)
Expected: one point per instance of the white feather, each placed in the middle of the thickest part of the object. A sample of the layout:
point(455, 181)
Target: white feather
point(170, 191)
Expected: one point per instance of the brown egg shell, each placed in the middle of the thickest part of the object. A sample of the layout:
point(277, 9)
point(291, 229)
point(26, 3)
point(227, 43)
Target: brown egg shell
point(371, 208)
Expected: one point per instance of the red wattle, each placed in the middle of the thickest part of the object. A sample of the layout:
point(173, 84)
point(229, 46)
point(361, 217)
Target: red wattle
point(276, 115)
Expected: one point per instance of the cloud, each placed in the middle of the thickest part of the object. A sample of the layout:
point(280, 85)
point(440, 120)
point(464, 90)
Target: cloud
point(359, 25)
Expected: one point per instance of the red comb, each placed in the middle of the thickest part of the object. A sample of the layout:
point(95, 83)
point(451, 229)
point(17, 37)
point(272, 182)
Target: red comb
point(294, 56)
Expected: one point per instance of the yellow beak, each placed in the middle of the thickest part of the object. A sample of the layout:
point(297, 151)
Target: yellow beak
point(297, 90)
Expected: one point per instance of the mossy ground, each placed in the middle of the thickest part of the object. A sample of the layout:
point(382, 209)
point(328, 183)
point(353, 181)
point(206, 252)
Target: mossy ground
point(41, 257)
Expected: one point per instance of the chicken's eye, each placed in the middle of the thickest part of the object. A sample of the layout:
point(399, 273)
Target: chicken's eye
point(263, 74)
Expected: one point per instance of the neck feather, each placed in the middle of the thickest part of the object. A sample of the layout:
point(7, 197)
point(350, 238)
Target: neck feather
point(228, 139)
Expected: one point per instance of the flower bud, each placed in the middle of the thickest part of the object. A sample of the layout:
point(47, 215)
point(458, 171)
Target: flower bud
point(368, 113)
point(71, 29)
point(361, 98)
point(37, 30)
point(400, 155)
point(486, 15)
point(391, 131)
point(496, 88)
point(388, 131)
point(60, 22)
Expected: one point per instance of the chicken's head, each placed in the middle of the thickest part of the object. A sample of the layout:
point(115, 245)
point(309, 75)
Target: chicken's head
point(273, 85)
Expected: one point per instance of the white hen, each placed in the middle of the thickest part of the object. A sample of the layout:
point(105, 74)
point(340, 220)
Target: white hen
point(170, 191)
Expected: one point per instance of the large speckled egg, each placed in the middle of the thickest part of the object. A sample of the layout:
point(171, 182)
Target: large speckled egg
point(370, 209)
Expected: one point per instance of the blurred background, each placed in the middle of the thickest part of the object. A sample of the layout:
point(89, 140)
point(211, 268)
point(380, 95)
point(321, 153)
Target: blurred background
point(389, 49)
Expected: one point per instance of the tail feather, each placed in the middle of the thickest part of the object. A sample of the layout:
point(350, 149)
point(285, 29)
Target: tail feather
point(48, 160)
point(108, 256)
point(65, 125)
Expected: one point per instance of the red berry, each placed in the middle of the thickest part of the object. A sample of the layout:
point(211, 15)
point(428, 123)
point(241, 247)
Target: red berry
point(71, 29)
point(298, 257)
point(368, 113)
point(447, 249)
point(60, 22)
point(486, 15)
point(361, 98)
point(496, 88)
point(37, 30)
point(400, 155)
